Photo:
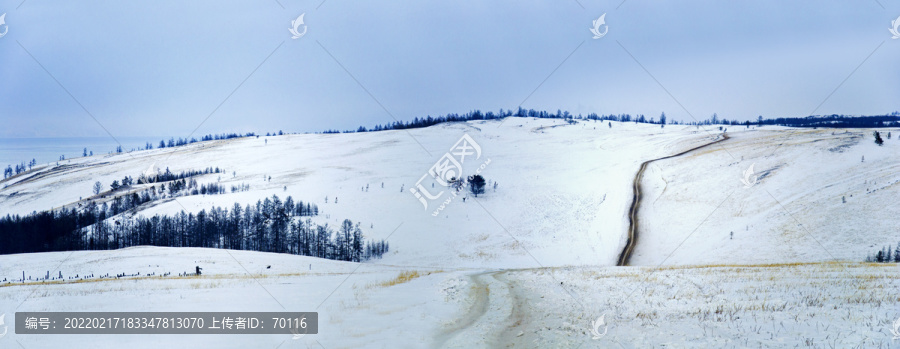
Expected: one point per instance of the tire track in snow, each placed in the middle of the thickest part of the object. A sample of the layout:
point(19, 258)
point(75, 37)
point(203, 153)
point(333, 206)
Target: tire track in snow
point(636, 201)
point(492, 319)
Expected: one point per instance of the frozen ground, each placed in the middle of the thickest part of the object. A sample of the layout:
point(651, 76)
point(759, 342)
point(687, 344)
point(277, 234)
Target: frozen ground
point(527, 265)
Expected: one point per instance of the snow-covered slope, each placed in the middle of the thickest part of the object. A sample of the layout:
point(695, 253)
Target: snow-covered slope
point(526, 265)
point(563, 190)
point(815, 199)
point(562, 194)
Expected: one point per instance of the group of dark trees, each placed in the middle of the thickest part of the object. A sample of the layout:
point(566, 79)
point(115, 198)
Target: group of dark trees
point(474, 183)
point(835, 121)
point(192, 188)
point(272, 225)
point(170, 176)
point(472, 115)
point(831, 121)
point(122, 203)
point(9, 172)
point(173, 142)
point(885, 256)
point(177, 182)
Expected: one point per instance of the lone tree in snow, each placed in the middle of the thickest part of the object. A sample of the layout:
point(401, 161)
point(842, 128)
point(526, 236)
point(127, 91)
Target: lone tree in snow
point(476, 185)
point(878, 139)
point(97, 187)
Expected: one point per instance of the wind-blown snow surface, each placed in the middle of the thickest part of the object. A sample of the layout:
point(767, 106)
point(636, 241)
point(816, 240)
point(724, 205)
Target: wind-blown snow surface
point(526, 265)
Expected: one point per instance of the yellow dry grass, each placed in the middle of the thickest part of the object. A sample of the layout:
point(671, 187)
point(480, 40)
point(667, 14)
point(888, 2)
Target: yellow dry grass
point(404, 277)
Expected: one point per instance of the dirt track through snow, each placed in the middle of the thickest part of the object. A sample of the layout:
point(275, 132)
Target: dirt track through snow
point(636, 202)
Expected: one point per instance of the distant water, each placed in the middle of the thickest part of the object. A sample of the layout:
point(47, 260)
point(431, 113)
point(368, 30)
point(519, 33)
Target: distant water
point(17, 150)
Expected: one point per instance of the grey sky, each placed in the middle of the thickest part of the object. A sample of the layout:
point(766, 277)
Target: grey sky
point(147, 68)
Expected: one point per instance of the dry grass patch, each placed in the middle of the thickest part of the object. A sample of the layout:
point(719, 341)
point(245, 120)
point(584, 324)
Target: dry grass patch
point(404, 277)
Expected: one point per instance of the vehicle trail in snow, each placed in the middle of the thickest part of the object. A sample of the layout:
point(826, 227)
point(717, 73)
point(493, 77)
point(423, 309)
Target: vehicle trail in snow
point(481, 294)
point(493, 319)
point(636, 201)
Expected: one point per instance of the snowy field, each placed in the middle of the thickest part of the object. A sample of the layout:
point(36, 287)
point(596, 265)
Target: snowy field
point(820, 305)
point(364, 307)
point(815, 199)
point(530, 264)
point(817, 305)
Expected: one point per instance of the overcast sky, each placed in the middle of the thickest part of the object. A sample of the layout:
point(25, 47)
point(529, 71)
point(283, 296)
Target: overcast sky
point(160, 68)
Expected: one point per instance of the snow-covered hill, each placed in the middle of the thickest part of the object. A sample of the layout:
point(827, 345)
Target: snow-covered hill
point(562, 193)
point(815, 199)
point(563, 190)
point(528, 264)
